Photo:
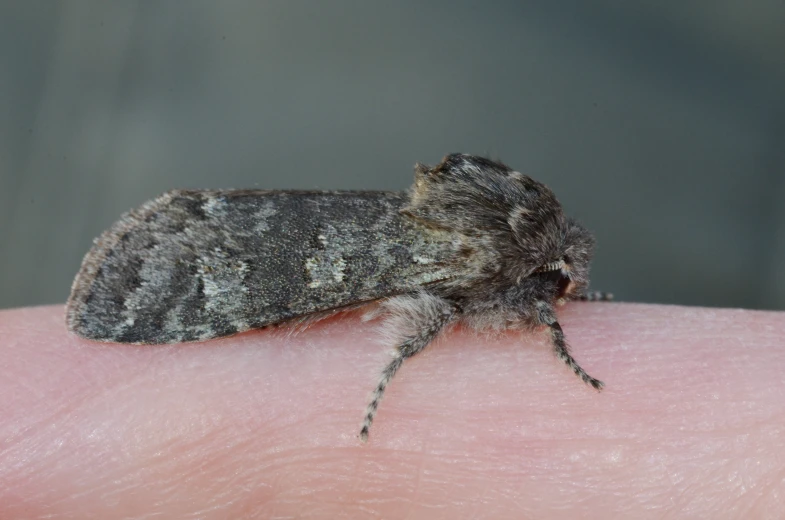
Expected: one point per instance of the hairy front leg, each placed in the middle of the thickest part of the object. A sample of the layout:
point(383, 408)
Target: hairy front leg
point(413, 322)
point(547, 316)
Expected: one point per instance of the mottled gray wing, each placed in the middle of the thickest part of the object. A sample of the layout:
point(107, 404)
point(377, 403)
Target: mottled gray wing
point(194, 265)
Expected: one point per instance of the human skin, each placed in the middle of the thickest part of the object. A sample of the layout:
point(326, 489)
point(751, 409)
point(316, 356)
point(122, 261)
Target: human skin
point(265, 424)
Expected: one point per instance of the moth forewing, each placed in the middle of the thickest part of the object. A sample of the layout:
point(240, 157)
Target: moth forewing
point(196, 265)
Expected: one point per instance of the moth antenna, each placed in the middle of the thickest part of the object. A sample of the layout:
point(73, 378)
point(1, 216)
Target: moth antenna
point(562, 351)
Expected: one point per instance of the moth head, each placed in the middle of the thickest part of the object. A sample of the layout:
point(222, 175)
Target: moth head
point(566, 271)
point(516, 220)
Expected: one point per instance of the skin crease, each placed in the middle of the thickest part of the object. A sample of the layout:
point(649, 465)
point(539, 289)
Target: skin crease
point(691, 423)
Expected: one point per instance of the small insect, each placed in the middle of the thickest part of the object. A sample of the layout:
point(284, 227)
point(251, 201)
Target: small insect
point(472, 241)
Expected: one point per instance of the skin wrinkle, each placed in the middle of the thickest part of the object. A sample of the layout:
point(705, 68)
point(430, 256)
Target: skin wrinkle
point(520, 440)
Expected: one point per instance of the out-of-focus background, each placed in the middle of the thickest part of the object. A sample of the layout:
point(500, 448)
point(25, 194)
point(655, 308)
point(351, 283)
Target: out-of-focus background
point(660, 125)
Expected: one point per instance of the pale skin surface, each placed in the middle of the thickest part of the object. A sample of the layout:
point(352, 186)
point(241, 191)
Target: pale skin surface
point(691, 423)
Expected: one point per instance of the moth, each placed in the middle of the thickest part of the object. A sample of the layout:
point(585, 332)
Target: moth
point(472, 241)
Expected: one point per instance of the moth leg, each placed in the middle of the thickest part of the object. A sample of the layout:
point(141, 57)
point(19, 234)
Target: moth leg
point(415, 321)
point(560, 347)
point(596, 296)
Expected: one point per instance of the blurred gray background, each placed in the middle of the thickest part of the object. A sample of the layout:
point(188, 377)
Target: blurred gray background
point(660, 125)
